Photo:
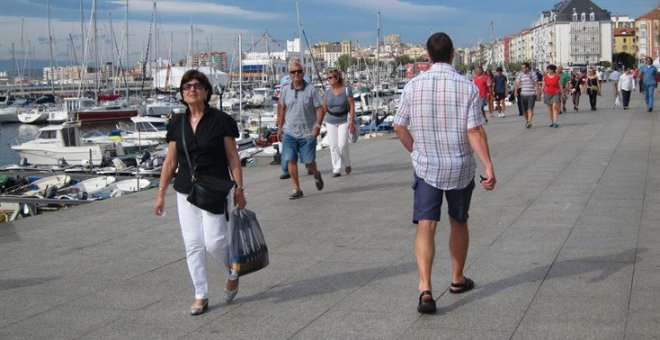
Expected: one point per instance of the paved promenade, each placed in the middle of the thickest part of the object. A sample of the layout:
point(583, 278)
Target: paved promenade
point(566, 247)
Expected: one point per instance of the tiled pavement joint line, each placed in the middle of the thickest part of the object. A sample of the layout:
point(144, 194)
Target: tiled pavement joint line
point(339, 301)
point(639, 228)
point(541, 155)
point(554, 260)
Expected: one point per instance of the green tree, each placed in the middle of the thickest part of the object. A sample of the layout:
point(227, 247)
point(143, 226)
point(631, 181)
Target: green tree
point(344, 62)
point(625, 59)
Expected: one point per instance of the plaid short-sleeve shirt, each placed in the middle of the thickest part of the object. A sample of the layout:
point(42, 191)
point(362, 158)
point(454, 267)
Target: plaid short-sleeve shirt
point(439, 106)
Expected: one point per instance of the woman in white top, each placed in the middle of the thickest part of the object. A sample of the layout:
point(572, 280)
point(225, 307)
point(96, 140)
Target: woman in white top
point(626, 86)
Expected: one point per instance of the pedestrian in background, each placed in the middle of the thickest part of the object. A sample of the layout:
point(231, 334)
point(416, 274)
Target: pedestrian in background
point(564, 78)
point(552, 93)
point(444, 113)
point(210, 138)
point(593, 88)
point(626, 86)
point(339, 120)
point(575, 87)
point(501, 92)
point(491, 93)
point(614, 77)
point(482, 82)
point(529, 92)
point(648, 74)
point(299, 118)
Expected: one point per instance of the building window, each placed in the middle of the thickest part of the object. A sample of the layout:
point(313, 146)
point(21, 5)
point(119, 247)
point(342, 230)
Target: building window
point(583, 16)
point(592, 16)
point(624, 40)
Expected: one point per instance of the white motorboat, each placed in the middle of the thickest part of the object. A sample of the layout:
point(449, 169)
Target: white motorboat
point(96, 184)
point(261, 97)
point(61, 144)
point(35, 115)
point(115, 137)
point(9, 115)
point(148, 128)
point(163, 106)
point(133, 184)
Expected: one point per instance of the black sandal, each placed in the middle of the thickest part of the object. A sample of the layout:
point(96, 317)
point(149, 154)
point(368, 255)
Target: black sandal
point(426, 307)
point(457, 288)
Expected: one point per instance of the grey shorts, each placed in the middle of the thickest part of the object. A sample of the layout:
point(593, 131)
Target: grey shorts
point(527, 102)
point(549, 99)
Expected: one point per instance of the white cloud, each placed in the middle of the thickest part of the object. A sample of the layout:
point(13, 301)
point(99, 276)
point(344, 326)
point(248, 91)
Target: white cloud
point(199, 7)
point(36, 32)
point(399, 8)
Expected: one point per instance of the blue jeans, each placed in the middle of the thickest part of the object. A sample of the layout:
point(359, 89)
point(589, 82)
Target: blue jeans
point(650, 90)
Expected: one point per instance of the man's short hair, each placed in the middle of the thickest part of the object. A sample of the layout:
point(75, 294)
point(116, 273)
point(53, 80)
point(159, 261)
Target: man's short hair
point(499, 69)
point(439, 47)
point(525, 64)
point(294, 64)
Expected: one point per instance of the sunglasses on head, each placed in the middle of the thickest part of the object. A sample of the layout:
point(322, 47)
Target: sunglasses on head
point(331, 77)
point(296, 71)
point(196, 86)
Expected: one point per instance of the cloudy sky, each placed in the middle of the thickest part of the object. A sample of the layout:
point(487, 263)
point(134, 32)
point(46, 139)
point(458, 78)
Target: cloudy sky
point(217, 23)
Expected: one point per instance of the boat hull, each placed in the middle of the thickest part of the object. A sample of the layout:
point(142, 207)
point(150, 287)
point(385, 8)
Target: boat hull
point(43, 155)
point(105, 115)
point(33, 117)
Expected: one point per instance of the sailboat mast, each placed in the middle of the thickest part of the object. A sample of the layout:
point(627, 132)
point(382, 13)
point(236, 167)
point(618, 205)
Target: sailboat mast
point(302, 55)
point(50, 44)
point(127, 63)
point(82, 34)
point(376, 101)
point(240, 80)
point(96, 50)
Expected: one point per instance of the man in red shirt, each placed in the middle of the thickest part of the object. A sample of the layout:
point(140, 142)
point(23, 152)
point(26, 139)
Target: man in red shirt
point(482, 82)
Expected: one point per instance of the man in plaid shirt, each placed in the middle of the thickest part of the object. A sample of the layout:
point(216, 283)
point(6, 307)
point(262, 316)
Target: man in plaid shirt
point(442, 108)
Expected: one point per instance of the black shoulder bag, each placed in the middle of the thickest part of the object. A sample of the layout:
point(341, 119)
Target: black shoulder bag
point(207, 193)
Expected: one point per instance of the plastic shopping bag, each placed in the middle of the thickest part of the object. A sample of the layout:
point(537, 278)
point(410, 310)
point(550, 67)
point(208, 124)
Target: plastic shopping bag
point(617, 101)
point(248, 251)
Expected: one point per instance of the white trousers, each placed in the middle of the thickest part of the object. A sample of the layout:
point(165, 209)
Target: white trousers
point(203, 232)
point(338, 139)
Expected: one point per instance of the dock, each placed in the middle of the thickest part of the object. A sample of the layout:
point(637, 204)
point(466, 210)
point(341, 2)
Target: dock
point(567, 246)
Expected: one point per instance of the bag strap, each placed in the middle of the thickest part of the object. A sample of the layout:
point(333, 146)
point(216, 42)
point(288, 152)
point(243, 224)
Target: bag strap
point(193, 168)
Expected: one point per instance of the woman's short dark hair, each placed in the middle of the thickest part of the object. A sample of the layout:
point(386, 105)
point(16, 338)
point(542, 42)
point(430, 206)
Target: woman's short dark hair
point(201, 78)
point(552, 67)
point(439, 47)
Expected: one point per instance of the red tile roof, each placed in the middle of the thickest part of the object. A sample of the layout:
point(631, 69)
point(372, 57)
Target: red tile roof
point(623, 31)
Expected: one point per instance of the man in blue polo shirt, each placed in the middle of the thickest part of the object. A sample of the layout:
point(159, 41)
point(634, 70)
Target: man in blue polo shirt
point(300, 114)
point(649, 73)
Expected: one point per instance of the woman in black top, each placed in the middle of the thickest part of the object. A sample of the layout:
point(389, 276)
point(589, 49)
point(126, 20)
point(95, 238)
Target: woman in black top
point(593, 88)
point(574, 86)
point(210, 138)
